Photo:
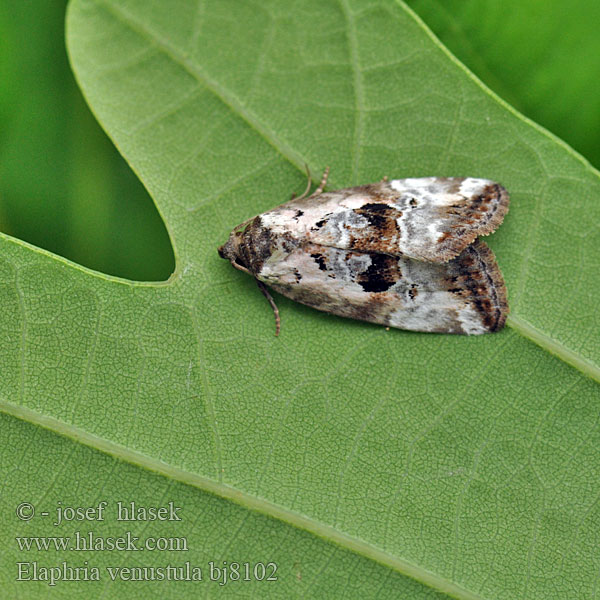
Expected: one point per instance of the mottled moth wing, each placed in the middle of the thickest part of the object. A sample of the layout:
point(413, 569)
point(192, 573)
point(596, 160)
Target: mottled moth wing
point(465, 295)
point(430, 218)
point(402, 253)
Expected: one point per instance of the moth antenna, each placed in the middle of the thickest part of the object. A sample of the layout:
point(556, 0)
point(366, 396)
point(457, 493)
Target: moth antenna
point(321, 187)
point(307, 185)
point(263, 288)
point(384, 178)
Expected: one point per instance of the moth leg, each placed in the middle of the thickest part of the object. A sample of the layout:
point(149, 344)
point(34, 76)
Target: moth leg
point(307, 185)
point(263, 288)
point(321, 187)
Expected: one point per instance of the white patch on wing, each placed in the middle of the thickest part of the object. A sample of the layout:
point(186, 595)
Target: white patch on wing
point(470, 320)
point(401, 185)
point(286, 218)
point(473, 187)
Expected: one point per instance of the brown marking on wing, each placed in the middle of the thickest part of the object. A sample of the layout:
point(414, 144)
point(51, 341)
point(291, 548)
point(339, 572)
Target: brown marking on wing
point(477, 279)
point(383, 231)
point(481, 216)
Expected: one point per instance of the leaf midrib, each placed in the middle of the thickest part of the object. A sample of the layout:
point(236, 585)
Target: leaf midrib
point(253, 503)
point(225, 96)
point(525, 328)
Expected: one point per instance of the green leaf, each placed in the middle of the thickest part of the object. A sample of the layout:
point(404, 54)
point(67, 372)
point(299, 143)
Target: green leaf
point(541, 55)
point(364, 462)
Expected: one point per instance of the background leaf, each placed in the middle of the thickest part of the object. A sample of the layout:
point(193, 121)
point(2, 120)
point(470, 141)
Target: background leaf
point(433, 463)
point(63, 186)
point(541, 56)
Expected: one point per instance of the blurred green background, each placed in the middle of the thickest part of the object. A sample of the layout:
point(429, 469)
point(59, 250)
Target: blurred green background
point(541, 56)
point(64, 187)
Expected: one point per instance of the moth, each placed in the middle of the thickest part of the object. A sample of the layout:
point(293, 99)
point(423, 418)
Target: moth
point(403, 253)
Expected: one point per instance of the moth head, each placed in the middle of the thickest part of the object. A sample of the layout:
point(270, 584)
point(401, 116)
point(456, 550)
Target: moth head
point(249, 246)
point(238, 249)
point(233, 250)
